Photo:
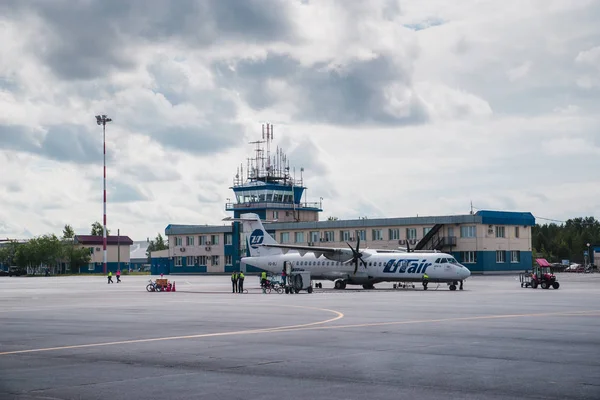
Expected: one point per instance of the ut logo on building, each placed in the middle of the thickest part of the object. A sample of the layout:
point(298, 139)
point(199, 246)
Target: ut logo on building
point(256, 238)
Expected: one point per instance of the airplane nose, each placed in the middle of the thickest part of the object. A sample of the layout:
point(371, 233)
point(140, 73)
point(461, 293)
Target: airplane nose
point(465, 273)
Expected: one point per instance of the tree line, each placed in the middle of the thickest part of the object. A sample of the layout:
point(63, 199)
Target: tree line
point(58, 254)
point(566, 241)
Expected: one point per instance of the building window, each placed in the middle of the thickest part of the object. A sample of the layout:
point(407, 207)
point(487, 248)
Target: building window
point(228, 238)
point(469, 257)
point(215, 260)
point(189, 240)
point(91, 267)
point(377, 234)
point(178, 261)
point(284, 237)
point(516, 231)
point(315, 236)
point(500, 231)
point(515, 256)
point(214, 239)
point(345, 236)
point(178, 241)
point(394, 234)
point(328, 236)
point(451, 231)
point(362, 234)
point(202, 260)
point(189, 261)
point(228, 260)
point(500, 256)
point(275, 214)
point(411, 233)
point(467, 231)
point(196, 259)
point(426, 231)
point(299, 237)
point(202, 240)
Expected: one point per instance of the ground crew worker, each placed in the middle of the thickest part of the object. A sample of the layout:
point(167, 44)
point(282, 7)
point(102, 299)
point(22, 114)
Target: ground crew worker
point(118, 275)
point(425, 281)
point(234, 280)
point(110, 277)
point(241, 282)
point(263, 278)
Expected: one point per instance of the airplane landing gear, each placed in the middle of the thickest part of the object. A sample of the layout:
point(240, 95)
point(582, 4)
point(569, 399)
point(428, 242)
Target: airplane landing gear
point(368, 286)
point(340, 284)
point(453, 287)
point(461, 286)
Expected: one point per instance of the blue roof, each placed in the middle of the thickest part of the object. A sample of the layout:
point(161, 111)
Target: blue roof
point(506, 218)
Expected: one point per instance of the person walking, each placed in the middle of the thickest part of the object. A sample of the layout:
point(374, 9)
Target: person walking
point(234, 281)
point(110, 277)
point(241, 282)
point(118, 275)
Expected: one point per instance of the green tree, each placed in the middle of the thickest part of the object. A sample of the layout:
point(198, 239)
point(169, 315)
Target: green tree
point(566, 241)
point(98, 229)
point(157, 244)
point(8, 253)
point(68, 232)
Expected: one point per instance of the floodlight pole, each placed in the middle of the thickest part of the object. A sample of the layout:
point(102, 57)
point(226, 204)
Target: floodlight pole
point(102, 120)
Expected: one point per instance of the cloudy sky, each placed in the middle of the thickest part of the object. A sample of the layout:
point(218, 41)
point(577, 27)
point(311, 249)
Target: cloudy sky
point(393, 107)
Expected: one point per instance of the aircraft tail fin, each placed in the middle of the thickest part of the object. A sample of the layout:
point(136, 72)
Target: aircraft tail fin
point(255, 235)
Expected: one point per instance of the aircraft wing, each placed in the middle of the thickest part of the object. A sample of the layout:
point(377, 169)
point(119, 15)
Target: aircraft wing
point(332, 253)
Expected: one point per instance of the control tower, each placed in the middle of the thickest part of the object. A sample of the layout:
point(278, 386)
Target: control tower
point(267, 187)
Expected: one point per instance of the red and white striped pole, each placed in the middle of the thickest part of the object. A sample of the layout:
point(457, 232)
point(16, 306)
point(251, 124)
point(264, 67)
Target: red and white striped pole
point(102, 120)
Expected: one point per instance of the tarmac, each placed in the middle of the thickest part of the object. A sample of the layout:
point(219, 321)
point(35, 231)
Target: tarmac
point(81, 338)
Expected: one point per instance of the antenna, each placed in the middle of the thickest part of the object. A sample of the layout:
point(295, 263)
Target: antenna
point(471, 207)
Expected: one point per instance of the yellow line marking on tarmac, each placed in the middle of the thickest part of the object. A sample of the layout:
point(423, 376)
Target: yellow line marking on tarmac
point(339, 315)
point(310, 326)
point(424, 321)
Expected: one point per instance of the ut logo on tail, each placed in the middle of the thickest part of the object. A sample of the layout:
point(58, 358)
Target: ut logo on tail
point(256, 238)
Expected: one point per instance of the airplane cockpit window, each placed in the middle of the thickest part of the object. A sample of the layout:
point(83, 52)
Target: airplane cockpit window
point(452, 261)
point(438, 261)
point(443, 261)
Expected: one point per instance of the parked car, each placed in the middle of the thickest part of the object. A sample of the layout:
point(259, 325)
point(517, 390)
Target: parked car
point(16, 271)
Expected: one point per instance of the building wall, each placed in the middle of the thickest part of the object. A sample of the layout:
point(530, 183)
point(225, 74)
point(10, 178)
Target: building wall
point(485, 244)
point(112, 264)
point(111, 253)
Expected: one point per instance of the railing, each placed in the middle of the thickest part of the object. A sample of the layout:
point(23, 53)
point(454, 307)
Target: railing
point(444, 241)
point(264, 204)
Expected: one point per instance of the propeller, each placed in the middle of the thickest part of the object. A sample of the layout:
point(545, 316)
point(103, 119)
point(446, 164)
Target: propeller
point(356, 255)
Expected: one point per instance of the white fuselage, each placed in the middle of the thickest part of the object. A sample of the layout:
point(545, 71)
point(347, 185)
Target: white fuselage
point(381, 267)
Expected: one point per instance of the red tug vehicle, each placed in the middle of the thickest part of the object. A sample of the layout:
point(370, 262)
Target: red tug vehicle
point(541, 276)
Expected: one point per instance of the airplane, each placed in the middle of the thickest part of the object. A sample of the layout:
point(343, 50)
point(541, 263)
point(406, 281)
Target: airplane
point(340, 265)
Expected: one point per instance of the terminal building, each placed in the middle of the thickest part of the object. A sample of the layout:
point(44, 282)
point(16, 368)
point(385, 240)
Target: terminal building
point(485, 242)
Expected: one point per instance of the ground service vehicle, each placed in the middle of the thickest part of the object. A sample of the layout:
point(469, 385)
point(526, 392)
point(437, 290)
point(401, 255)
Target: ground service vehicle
point(540, 276)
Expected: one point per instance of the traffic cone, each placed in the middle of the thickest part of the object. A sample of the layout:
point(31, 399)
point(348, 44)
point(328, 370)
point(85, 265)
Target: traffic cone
point(173, 290)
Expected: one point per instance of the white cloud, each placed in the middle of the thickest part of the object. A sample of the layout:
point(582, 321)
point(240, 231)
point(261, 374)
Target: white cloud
point(393, 108)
